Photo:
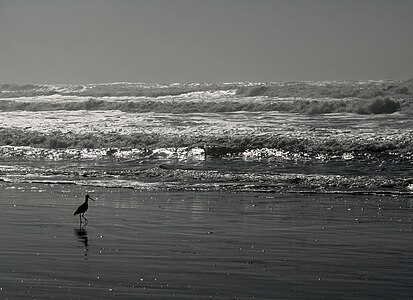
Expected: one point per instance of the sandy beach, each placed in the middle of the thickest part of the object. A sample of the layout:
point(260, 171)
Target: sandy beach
point(184, 245)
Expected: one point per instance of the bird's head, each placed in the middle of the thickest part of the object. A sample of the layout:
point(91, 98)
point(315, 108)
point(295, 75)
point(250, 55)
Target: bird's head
point(87, 197)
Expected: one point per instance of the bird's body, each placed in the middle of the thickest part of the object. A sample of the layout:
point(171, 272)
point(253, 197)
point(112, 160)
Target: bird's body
point(83, 208)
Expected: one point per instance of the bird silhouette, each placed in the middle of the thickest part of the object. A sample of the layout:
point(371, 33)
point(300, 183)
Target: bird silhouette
point(83, 208)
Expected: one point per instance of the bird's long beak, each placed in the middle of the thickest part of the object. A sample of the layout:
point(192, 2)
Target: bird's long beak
point(91, 198)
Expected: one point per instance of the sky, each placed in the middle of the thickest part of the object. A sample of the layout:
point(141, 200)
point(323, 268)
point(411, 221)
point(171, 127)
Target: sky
point(165, 41)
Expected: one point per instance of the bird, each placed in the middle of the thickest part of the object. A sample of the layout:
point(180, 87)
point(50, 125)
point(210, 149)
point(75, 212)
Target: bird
point(83, 208)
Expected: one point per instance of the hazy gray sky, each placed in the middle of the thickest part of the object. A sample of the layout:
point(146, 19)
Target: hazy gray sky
point(82, 41)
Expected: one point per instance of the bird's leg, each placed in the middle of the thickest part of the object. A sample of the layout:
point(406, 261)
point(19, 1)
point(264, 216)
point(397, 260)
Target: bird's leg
point(80, 219)
point(83, 215)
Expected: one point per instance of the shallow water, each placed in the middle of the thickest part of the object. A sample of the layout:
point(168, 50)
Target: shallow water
point(160, 245)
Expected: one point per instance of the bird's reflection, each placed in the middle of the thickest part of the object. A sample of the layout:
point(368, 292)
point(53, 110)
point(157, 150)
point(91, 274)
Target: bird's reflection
point(81, 234)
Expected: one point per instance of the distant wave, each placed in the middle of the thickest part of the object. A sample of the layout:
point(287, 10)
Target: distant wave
point(326, 89)
point(303, 106)
point(377, 97)
point(120, 89)
point(331, 89)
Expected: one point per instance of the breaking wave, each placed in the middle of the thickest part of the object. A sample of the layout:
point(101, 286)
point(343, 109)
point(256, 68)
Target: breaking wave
point(257, 146)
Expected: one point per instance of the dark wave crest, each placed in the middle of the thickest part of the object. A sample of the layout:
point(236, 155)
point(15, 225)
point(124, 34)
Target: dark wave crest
point(335, 89)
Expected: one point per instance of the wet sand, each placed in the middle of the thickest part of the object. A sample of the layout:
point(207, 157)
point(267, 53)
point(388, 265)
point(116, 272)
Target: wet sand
point(203, 245)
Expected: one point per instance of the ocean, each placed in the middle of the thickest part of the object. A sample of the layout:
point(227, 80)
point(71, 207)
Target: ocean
point(297, 190)
point(317, 137)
